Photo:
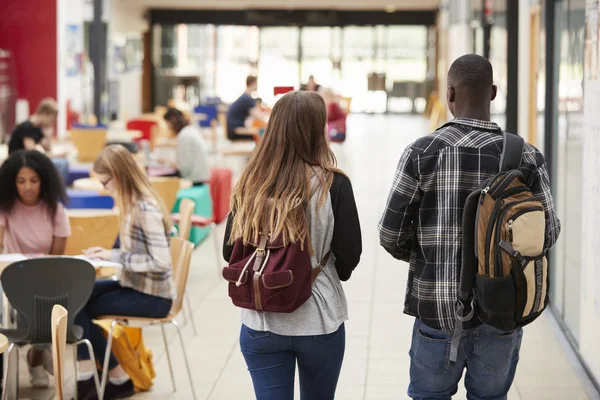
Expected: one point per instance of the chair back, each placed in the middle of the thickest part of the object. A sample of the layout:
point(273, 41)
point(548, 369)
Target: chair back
point(59, 343)
point(167, 188)
point(91, 228)
point(210, 111)
point(145, 126)
point(34, 286)
point(88, 142)
point(186, 211)
point(181, 257)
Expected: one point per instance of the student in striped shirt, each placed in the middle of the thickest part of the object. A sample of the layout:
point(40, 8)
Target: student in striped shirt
point(145, 287)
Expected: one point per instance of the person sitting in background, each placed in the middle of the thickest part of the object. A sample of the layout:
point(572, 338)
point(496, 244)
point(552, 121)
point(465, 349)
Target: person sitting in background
point(336, 117)
point(33, 221)
point(36, 133)
point(192, 156)
point(242, 109)
point(145, 287)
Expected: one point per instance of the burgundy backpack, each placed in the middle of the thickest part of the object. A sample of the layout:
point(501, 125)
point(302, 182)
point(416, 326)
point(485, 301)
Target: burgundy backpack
point(270, 276)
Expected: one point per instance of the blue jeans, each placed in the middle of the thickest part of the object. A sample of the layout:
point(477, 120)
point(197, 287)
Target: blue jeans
point(110, 298)
point(271, 360)
point(62, 166)
point(489, 355)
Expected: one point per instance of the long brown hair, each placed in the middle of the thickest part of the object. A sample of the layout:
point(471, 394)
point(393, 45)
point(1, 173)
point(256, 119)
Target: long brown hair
point(132, 184)
point(273, 194)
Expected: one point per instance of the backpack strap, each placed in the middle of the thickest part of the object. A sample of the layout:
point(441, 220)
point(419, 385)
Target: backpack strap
point(321, 266)
point(512, 152)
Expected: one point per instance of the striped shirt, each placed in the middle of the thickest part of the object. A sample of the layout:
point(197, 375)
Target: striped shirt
point(422, 223)
point(145, 253)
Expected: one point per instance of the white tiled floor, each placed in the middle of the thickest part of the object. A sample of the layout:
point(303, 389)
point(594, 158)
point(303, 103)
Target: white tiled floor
point(378, 334)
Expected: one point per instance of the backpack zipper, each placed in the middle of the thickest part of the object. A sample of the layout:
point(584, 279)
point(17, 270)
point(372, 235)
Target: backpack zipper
point(509, 225)
point(497, 253)
point(508, 178)
point(493, 216)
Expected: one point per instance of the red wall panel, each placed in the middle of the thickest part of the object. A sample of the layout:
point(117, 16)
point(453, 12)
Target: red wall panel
point(28, 30)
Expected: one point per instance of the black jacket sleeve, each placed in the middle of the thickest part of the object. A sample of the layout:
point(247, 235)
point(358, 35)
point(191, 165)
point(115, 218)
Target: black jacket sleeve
point(346, 244)
point(227, 248)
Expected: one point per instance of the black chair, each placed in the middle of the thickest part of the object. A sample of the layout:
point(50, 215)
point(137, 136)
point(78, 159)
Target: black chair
point(33, 287)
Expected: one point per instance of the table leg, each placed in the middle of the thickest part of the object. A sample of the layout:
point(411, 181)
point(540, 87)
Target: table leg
point(11, 364)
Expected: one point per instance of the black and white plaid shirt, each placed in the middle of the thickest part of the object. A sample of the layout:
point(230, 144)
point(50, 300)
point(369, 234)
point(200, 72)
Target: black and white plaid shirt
point(422, 223)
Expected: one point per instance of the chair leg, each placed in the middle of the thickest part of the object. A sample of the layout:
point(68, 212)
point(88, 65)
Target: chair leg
point(92, 359)
point(109, 340)
point(191, 316)
point(164, 335)
point(217, 245)
point(185, 357)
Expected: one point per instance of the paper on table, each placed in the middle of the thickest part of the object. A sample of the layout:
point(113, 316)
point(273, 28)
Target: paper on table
point(99, 263)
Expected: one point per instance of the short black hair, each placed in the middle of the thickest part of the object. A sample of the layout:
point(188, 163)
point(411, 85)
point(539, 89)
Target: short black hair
point(52, 187)
point(250, 80)
point(473, 72)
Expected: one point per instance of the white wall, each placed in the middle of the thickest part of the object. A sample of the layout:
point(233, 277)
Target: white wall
point(524, 65)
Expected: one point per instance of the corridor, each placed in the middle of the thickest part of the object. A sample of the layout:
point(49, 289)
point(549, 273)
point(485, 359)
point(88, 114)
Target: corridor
point(378, 334)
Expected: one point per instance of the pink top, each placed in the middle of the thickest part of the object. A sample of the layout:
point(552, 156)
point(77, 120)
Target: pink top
point(30, 229)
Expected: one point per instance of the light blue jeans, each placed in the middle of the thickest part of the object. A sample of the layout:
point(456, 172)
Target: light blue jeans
point(489, 355)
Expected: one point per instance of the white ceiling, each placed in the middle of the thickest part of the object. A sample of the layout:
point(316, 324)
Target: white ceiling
point(398, 5)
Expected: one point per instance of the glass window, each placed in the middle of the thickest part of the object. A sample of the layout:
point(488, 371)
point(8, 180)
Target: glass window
point(278, 60)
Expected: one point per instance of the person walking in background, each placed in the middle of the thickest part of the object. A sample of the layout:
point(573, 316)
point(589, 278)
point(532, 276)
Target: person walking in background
point(422, 225)
point(293, 173)
point(241, 110)
point(192, 156)
point(145, 287)
point(311, 85)
point(36, 132)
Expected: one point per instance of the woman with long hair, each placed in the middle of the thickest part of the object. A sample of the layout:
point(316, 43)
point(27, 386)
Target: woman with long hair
point(145, 287)
point(33, 220)
point(293, 171)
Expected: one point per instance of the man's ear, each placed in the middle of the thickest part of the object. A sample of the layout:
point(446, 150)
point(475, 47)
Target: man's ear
point(450, 94)
point(494, 92)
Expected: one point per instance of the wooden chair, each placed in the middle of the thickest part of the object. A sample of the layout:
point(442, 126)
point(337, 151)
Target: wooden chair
point(59, 343)
point(184, 220)
point(88, 142)
point(91, 228)
point(181, 254)
point(167, 188)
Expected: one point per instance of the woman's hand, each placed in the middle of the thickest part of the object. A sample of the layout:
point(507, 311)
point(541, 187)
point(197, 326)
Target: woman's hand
point(98, 253)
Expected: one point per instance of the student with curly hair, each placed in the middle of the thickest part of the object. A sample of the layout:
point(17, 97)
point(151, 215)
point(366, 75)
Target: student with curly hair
point(33, 221)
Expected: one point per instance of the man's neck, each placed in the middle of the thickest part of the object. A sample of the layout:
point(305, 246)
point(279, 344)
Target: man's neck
point(472, 113)
point(249, 91)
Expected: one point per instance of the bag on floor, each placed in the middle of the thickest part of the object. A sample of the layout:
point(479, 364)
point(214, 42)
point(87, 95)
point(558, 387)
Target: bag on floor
point(130, 351)
point(503, 250)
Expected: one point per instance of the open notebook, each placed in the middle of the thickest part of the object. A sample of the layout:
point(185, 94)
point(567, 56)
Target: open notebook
point(10, 258)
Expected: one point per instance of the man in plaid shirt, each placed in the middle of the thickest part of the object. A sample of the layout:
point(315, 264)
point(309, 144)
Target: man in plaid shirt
point(422, 225)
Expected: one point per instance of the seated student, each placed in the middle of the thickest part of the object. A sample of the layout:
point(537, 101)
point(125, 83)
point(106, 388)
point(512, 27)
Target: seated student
point(336, 117)
point(192, 156)
point(242, 109)
point(145, 286)
point(33, 221)
point(36, 132)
